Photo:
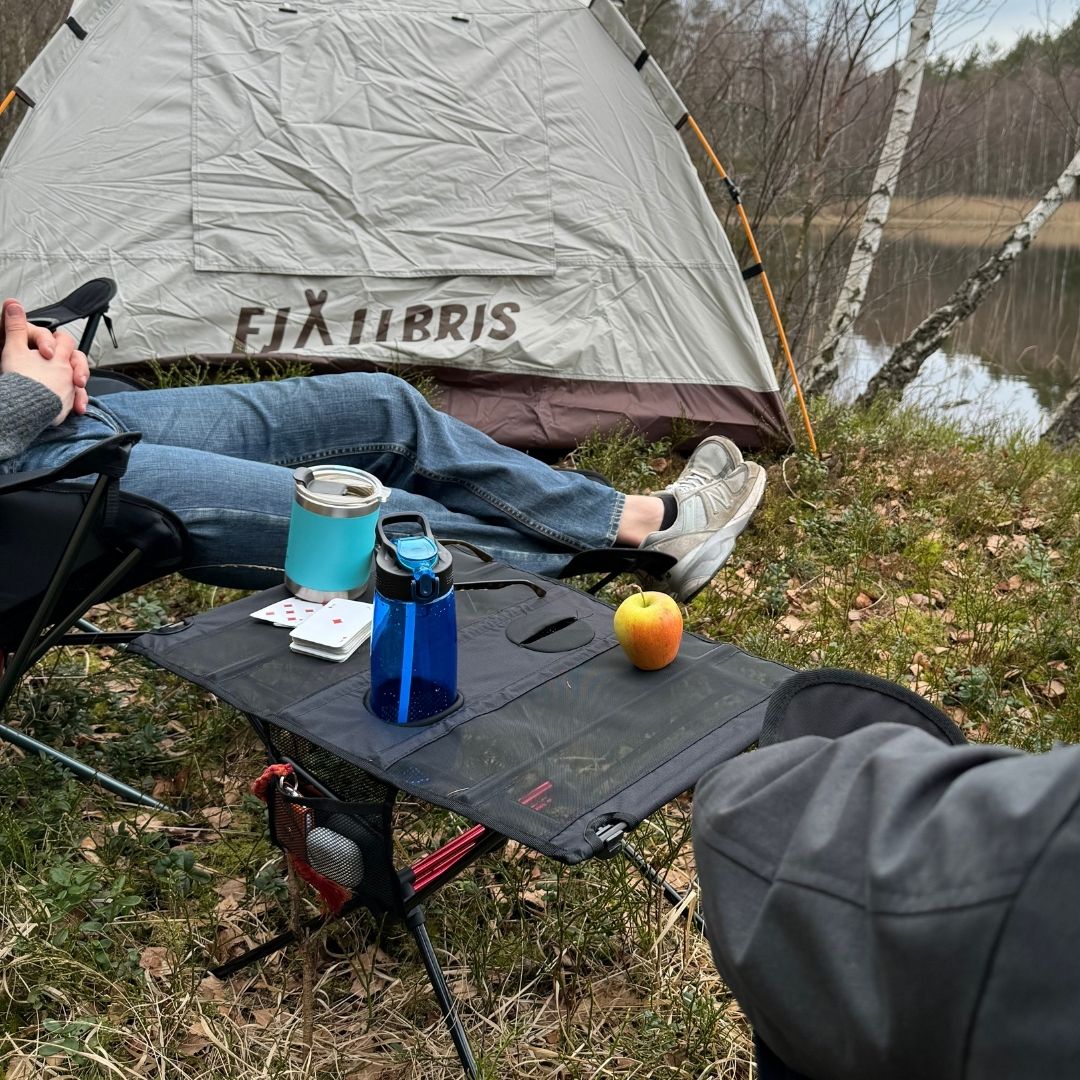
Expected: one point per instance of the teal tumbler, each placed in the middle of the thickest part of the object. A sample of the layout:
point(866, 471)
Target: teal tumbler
point(332, 532)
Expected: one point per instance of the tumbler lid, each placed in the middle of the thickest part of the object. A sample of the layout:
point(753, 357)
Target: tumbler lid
point(338, 490)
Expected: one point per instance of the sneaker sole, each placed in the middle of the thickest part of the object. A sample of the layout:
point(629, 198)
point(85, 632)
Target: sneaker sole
point(693, 572)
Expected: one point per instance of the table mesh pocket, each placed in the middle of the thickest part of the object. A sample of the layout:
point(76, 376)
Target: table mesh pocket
point(347, 840)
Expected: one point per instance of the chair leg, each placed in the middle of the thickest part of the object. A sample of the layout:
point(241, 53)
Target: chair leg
point(652, 875)
point(81, 770)
point(415, 922)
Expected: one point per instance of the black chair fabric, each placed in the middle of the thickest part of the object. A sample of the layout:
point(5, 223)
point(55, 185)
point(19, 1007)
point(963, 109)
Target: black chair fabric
point(90, 298)
point(39, 511)
point(35, 526)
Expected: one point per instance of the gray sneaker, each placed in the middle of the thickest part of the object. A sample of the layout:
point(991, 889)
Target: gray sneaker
point(714, 457)
point(713, 510)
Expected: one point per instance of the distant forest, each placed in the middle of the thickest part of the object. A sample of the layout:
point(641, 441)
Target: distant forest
point(794, 96)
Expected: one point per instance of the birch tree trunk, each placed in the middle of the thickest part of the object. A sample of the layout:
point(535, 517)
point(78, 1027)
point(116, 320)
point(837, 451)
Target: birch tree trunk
point(1064, 426)
point(825, 364)
point(907, 358)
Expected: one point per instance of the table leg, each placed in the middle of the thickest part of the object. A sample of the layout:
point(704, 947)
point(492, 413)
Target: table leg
point(651, 874)
point(282, 941)
point(415, 921)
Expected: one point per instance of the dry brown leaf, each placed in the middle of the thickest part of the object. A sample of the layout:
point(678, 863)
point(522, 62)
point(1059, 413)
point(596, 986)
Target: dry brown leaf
point(89, 848)
point(22, 1067)
point(235, 887)
point(791, 624)
point(154, 960)
point(1053, 690)
point(195, 1042)
point(864, 600)
point(535, 899)
point(211, 988)
point(148, 822)
point(220, 817)
point(996, 544)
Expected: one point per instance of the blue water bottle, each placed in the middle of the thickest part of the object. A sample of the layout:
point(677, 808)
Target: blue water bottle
point(414, 628)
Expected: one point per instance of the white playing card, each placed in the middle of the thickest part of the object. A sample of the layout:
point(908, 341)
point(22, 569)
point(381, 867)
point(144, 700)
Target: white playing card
point(335, 655)
point(339, 625)
point(289, 612)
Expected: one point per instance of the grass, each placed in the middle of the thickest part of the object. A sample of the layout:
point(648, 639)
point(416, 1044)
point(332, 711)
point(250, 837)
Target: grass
point(944, 561)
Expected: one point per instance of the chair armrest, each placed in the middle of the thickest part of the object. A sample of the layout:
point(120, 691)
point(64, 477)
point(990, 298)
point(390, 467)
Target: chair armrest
point(111, 382)
point(90, 298)
point(109, 457)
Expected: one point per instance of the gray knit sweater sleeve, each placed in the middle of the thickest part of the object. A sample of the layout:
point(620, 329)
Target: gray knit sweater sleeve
point(27, 407)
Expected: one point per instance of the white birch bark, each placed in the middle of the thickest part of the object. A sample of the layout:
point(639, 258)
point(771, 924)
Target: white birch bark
point(907, 358)
point(1064, 426)
point(825, 364)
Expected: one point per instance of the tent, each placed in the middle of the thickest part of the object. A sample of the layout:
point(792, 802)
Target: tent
point(495, 192)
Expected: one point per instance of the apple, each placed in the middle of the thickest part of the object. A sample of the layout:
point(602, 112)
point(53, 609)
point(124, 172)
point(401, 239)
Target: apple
point(649, 627)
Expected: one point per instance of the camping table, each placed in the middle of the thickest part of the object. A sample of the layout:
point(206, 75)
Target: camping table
point(558, 743)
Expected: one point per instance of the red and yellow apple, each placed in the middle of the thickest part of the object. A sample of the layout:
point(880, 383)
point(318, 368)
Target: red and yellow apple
point(649, 625)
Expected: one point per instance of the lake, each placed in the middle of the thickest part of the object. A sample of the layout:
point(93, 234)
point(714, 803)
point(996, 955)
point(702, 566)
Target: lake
point(1008, 365)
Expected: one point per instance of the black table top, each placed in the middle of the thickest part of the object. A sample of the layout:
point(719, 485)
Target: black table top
point(607, 742)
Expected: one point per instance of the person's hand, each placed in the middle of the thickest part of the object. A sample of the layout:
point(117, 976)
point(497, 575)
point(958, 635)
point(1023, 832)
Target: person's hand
point(38, 337)
point(50, 359)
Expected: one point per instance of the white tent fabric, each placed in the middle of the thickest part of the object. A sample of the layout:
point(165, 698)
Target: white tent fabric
point(491, 190)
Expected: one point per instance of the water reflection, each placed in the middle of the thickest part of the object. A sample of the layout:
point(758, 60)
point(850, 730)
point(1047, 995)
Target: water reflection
point(1008, 365)
point(961, 387)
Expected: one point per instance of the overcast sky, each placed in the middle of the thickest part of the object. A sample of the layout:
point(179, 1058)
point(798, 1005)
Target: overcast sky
point(1003, 21)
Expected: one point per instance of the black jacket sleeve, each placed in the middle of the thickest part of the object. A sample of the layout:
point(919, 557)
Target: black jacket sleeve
point(26, 408)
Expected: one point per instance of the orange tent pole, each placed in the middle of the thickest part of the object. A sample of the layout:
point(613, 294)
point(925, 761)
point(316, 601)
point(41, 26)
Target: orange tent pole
point(740, 209)
point(7, 101)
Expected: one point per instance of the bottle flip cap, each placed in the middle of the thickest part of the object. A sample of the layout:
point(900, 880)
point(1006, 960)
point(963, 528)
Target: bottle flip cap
point(410, 564)
point(419, 554)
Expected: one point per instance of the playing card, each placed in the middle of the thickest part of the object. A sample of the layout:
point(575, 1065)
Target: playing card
point(289, 612)
point(335, 655)
point(338, 626)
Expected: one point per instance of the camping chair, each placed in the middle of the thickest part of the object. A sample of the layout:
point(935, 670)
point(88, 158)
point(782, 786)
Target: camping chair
point(70, 539)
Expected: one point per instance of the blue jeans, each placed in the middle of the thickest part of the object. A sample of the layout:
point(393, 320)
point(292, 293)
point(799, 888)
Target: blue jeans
point(221, 458)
